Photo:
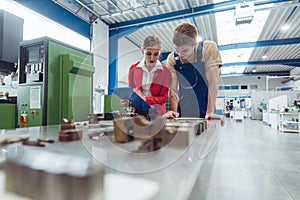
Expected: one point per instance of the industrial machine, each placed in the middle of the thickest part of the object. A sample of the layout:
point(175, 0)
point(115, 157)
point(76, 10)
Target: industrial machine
point(11, 33)
point(55, 82)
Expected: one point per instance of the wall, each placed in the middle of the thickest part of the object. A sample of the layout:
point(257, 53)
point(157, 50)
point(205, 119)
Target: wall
point(260, 81)
point(295, 83)
point(99, 48)
point(128, 54)
point(257, 95)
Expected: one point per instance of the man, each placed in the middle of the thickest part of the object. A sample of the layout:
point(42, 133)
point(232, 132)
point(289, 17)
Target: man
point(195, 72)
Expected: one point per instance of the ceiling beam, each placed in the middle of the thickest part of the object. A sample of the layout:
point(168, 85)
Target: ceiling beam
point(278, 73)
point(261, 43)
point(290, 62)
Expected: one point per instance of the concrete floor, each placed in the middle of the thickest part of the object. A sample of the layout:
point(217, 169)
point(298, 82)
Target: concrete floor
point(255, 162)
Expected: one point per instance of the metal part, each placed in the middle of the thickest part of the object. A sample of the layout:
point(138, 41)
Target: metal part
point(47, 140)
point(67, 177)
point(137, 128)
point(70, 135)
point(68, 131)
point(33, 143)
point(93, 118)
point(158, 133)
point(7, 139)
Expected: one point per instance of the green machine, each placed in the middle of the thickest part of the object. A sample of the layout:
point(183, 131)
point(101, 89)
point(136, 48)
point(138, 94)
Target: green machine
point(55, 82)
point(8, 115)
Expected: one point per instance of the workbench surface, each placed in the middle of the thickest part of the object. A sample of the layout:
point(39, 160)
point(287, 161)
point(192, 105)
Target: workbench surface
point(169, 173)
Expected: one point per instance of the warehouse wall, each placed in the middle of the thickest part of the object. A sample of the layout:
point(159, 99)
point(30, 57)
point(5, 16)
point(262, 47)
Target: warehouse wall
point(259, 81)
point(295, 83)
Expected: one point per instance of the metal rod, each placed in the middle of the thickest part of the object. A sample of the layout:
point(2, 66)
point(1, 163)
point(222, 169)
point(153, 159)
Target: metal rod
point(129, 10)
point(86, 7)
point(100, 6)
point(267, 102)
point(65, 7)
point(113, 3)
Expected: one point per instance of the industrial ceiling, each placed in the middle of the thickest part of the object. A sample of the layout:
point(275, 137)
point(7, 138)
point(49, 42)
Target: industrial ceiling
point(259, 46)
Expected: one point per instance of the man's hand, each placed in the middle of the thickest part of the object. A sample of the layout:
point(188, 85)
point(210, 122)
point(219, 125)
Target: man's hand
point(214, 116)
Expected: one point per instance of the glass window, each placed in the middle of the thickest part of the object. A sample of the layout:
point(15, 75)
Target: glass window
point(36, 25)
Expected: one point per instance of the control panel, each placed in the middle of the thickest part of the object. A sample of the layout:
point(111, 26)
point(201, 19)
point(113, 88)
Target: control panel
point(32, 68)
point(30, 105)
point(32, 62)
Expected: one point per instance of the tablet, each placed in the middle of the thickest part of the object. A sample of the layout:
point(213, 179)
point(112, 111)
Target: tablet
point(136, 101)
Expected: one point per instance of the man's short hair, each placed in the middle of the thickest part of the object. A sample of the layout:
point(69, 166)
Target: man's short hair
point(185, 33)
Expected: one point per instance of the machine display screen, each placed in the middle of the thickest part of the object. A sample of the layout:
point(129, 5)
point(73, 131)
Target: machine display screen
point(33, 55)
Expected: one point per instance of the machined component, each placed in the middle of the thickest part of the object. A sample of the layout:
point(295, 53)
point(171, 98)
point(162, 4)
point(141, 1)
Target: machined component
point(68, 131)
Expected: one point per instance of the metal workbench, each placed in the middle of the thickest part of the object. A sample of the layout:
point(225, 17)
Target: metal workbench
point(173, 172)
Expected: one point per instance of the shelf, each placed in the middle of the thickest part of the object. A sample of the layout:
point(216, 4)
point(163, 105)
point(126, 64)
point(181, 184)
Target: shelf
point(292, 119)
point(290, 113)
point(289, 130)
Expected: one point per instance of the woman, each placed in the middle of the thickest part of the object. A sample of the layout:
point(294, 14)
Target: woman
point(149, 78)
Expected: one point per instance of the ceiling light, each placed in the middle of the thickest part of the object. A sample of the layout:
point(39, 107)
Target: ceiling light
point(264, 57)
point(244, 13)
point(285, 27)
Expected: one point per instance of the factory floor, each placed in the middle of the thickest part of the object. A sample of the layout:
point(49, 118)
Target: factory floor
point(255, 162)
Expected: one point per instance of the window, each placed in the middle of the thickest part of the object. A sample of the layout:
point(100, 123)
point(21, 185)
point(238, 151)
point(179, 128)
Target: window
point(226, 87)
point(244, 87)
point(253, 87)
point(229, 87)
point(234, 87)
point(36, 25)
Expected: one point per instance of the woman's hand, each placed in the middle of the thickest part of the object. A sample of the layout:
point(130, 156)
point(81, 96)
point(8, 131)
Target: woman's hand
point(125, 102)
point(171, 115)
point(138, 92)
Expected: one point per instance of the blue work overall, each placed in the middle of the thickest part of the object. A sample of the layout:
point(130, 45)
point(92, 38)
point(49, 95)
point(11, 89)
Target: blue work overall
point(193, 89)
